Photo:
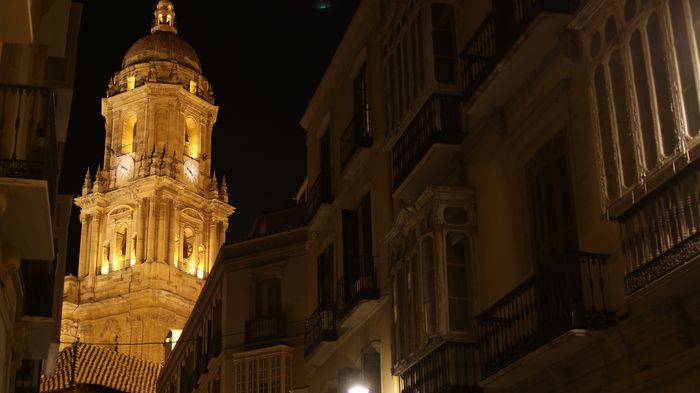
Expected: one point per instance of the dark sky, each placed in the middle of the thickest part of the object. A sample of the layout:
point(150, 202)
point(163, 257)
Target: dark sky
point(263, 59)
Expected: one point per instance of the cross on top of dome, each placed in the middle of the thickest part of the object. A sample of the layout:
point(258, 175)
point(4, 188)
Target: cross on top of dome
point(164, 17)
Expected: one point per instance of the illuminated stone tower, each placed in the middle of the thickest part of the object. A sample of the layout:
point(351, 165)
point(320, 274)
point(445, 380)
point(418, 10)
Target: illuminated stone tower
point(153, 218)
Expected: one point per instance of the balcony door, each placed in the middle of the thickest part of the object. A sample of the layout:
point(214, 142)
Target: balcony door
point(551, 205)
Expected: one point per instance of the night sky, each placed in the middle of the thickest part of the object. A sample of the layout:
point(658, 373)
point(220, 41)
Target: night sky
point(263, 58)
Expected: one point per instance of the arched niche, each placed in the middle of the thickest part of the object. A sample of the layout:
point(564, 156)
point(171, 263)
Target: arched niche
point(128, 133)
point(191, 138)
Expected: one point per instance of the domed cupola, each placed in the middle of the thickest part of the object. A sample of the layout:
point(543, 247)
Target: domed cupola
point(161, 57)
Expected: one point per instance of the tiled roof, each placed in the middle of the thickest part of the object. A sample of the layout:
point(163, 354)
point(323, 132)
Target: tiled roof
point(100, 366)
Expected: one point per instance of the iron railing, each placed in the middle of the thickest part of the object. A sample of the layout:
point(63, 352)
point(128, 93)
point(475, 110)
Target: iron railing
point(321, 326)
point(319, 193)
point(353, 290)
point(263, 331)
point(355, 136)
point(452, 367)
point(438, 121)
point(570, 294)
point(27, 123)
point(497, 34)
point(662, 231)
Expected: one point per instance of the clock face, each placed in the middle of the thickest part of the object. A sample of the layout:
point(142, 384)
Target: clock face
point(191, 169)
point(125, 168)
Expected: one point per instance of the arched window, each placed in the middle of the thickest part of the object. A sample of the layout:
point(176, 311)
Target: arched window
point(128, 133)
point(200, 261)
point(106, 251)
point(187, 244)
point(191, 138)
point(120, 243)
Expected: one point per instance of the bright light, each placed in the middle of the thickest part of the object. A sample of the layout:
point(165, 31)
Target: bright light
point(130, 82)
point(176, 336)
point(133, 261)
point(193, 87)
point(105, 268)
point(200, 274)
point(359, 388)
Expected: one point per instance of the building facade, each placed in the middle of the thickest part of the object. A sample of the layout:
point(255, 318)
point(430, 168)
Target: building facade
point(246, 332)
point(153, 217)
point(502, 197)
point(38, 41)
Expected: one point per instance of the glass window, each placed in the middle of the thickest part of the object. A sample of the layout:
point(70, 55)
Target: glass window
point(458, 284)
point(455, 215)
point(606, 137)
point(686, 66)
point(444, 54)
point(664, 99)
point(644, 103)
point(429, 285)
point(622, 119)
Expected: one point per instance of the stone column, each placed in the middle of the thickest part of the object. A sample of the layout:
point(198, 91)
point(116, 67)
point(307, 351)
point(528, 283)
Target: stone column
point(162, 231)
point(151, 242)
point(108, 140)
point(83, 258)
point(140, 238)
point(213, 246)
point(195, 250)
point(94, 243)
point(173, 235)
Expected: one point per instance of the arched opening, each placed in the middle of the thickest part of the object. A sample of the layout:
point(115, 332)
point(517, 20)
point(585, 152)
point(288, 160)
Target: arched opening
point(187, 247)
point(106, 251)
point(191, 138)
point(120, 243)
point(200, 260)
point(128, 133)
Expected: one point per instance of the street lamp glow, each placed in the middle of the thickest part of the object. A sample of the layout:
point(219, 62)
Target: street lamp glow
point(359, 388)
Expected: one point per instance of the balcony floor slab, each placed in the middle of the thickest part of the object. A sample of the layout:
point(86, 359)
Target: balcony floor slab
point(25, 223)
point(524, 58)
point(437, 161)
point(543, 357)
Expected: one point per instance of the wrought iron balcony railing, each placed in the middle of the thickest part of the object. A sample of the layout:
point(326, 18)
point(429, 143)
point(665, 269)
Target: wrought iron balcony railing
point(319, 193)
point(355, 136)
point(321, 326)
point(662, 231)
point(438, 121)
point(569, 295)
point(497, 34)
point(27, 123)
point(452, 367)
point(264, 331)
point(351, 291)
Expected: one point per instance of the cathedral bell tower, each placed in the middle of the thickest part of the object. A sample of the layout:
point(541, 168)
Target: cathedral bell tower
point(153, 217)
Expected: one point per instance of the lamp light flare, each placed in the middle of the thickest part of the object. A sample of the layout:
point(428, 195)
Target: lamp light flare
point(358, 389)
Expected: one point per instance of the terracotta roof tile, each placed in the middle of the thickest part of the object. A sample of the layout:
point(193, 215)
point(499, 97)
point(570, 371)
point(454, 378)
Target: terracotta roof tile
point(95, 365)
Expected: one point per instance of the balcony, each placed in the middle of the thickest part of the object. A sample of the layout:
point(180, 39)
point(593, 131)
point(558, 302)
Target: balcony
point(357, 298)
point(427, 146)
point(319, 194)
point(561, 306)
point(319, 336)
point(661, 240)
point(452, 367)
point(507, 47)
point(265, 331)
point(28, 169)
point(354, 152)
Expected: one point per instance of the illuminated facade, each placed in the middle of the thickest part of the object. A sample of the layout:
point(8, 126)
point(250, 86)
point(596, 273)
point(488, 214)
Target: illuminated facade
point(153, 217)
point(245, 333)
point(503, 196)
point(38, 45)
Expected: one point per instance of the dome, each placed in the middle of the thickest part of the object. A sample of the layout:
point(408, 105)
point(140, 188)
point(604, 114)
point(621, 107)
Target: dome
point(162, 45)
